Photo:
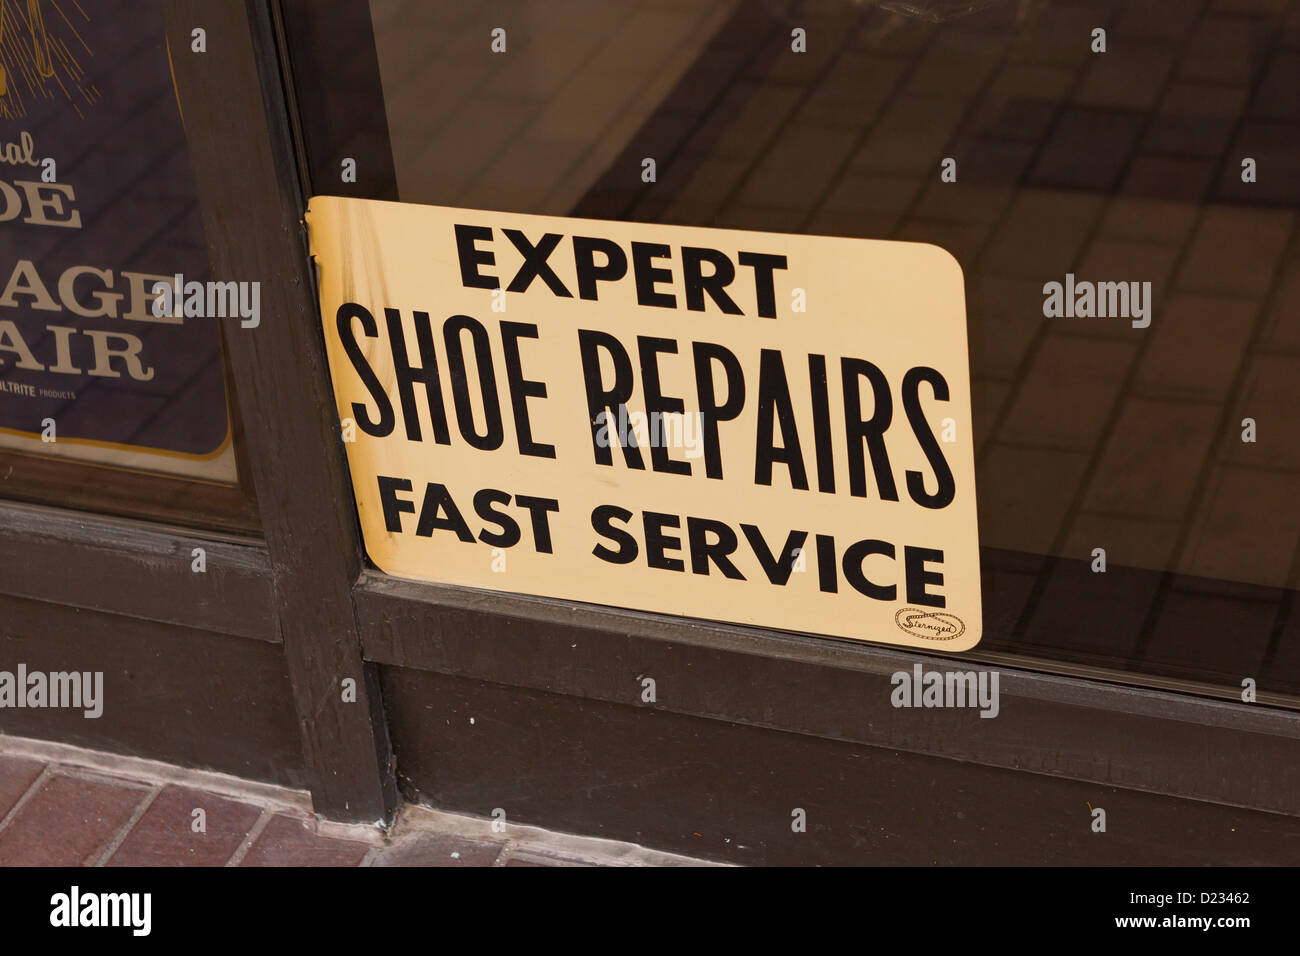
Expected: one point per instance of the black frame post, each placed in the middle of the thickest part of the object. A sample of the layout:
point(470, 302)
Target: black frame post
point(251, 203)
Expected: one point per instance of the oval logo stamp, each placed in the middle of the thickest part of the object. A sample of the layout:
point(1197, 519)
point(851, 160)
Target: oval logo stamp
point(930, 625)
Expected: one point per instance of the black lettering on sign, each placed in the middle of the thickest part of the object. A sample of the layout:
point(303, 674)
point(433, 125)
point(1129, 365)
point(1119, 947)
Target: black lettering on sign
point(384, 425)
point(715, 545)
point(648, 276)
point(606, 407)
point(715, 284)
point(439, 513)
point(870, 430)
point(764, 267)
point(509, 535)
point(584, 257)
point(393, 506)
point(827, 576)
point(774, 406)
point(915, 560)
point(494, 431)
point(471, 257)
point(718, 551)
point(426, 373)
point(657, 543)
point(854, 556)
point(535, 263)
point(522, 389)
point(656, 403)
point(776, 567)
point(652, 280)
point(602, 518)
point(409, 375)
point(711, 410)
point(925, 438)
point(538, 511)
point(821, 406)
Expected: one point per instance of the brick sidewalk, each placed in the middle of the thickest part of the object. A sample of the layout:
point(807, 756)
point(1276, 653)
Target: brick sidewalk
point(64, 806)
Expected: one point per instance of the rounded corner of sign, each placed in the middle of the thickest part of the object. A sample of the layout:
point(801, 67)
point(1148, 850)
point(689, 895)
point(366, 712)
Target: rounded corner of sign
point(378, 558)
point(952, 262)
point(974, 632)
point(384, 568)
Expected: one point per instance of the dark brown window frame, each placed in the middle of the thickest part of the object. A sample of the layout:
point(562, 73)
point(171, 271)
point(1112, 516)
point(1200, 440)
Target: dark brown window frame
point(131, 493)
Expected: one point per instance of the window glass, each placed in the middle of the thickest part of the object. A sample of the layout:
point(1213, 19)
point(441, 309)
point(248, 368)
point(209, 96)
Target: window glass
point(98, 206)
point(1138, 465)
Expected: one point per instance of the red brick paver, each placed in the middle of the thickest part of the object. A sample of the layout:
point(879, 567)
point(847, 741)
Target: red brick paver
point(292, 841)
point(16, 775)
point(167, 836)
point(67, 822)
point(64, 806)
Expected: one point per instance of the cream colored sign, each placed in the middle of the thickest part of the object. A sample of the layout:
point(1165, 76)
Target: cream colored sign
point(764, 429)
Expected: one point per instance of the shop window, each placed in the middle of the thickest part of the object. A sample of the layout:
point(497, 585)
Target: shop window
point(112, 397)
point(1120, 186)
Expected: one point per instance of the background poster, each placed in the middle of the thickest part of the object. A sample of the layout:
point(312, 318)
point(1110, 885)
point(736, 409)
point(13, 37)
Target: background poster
point(97, 203)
